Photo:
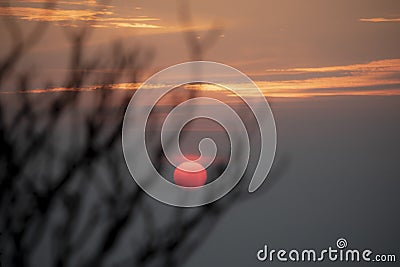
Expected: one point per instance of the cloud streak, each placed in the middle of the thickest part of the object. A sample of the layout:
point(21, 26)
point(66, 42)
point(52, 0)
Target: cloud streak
point(66, 14)
point(376, 20)
point(374, 78)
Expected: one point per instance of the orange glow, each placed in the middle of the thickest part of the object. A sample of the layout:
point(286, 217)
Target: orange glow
point(190, 174)
point(378, 78)
point(69, 17)
point(43, 14)
point(380, 20)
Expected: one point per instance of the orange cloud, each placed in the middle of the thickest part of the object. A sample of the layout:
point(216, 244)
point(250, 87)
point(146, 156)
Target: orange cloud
point(380, 20)
point(88, 3)
point(43, 14)
point(380, 77)
point(92, 13)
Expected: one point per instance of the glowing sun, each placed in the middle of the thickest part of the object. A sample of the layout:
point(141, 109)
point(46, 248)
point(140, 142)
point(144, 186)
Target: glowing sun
point(190, 174)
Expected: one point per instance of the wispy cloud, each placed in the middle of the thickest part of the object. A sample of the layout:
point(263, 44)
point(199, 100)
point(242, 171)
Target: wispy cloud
point(376, 78)
point(74, 12)
point(44, 14)
point(380, 77)
point(87, 3)
point(380, 20)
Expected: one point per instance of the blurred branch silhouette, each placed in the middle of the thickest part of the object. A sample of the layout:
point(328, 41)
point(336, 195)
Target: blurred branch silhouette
point(66, 198)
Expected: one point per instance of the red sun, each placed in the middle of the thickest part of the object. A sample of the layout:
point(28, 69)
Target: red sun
point(190, 174)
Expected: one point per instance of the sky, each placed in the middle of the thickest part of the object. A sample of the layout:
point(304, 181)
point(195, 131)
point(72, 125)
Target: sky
point(289, 48)
point(336, 169)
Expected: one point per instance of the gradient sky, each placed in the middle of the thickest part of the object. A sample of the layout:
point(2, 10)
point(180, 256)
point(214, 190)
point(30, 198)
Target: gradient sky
point(290, 48)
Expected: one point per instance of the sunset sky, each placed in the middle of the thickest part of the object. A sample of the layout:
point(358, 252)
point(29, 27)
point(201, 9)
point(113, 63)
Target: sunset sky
point(289, 48)
point(82, 150)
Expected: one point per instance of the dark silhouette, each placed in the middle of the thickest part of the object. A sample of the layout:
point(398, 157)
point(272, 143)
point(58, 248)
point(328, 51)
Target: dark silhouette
point(66, 197)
